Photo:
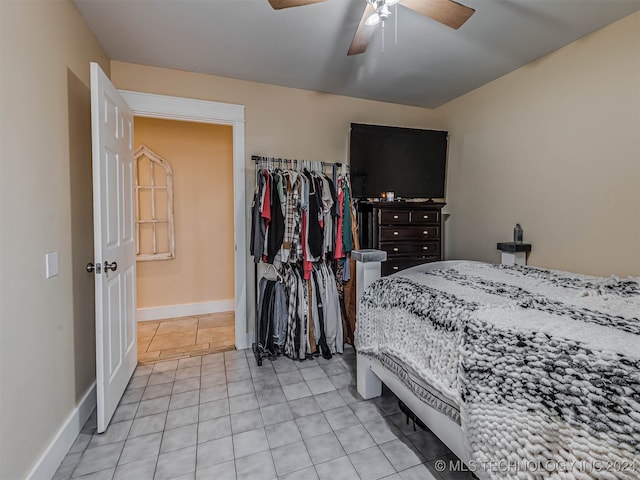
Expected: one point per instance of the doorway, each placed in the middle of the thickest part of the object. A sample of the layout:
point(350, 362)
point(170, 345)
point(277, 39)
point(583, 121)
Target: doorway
point(184, 232)
point(190, 110)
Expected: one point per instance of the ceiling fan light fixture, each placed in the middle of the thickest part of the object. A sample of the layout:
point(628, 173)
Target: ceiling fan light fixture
point(374, 19)
point(383, 12)
point(390, 3)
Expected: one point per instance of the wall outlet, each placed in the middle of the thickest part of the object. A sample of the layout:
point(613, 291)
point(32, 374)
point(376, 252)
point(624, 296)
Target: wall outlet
point(51, 264)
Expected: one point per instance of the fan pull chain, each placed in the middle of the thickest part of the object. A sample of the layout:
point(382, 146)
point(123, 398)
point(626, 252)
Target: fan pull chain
point(396, 20)
point(383, 36)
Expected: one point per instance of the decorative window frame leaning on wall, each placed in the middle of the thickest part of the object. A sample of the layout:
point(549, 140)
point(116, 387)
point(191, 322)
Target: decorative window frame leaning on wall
point(158, 212)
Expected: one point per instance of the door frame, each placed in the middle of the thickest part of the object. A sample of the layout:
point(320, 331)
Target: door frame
point(204, 111)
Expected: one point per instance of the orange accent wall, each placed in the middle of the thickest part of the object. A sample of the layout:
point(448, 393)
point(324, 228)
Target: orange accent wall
point(201, 156)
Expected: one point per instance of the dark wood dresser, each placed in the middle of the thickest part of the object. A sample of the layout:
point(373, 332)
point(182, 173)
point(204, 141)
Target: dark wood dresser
point(410, 232)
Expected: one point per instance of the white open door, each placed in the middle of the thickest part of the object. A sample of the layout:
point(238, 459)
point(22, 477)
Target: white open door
point(115, 250)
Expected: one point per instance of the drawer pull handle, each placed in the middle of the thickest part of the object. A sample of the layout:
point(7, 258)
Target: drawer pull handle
point(395, 267)
point(426, 232)
point(395, 249)
point(396, 233)
point(395, 216)
point(425, 248)
point(425, 217)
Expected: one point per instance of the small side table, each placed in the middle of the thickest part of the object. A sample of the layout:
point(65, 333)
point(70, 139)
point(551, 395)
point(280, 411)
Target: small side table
point(514, 253)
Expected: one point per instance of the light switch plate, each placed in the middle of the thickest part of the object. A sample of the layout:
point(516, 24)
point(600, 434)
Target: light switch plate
point(51, 263)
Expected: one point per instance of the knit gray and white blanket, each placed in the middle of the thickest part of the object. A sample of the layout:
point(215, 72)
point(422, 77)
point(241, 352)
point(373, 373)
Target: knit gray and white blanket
point(545, 365)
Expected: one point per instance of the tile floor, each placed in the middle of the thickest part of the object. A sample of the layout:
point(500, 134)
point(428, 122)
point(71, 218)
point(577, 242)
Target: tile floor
point(183, 337)
point(220, 417)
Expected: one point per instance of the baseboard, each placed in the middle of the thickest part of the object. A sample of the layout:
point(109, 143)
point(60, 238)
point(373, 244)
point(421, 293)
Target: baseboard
point(244, 341)
point(184, 310)
point(50, 460)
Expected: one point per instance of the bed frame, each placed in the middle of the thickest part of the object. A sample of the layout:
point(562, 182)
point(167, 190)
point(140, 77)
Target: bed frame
point(371, 374)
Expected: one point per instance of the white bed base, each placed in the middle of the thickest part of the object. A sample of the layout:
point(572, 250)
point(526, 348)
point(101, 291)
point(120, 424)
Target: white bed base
point(371, 374)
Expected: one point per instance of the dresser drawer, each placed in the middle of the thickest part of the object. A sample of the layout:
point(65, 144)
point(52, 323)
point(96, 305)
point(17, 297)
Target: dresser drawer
point(391, 217)
point(396, 265)
point(424, 216)
point(429, 248)
point(397, 233)
point(410, 248)
point(401, 248)
point(424, 233)
point(408, 233)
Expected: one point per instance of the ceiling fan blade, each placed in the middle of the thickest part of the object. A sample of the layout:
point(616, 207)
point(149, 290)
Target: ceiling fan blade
point(363, 33)
point(280, 4)
point(447, 12)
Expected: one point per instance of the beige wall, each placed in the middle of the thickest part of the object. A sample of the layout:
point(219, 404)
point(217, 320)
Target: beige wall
point(47, 336)
point(201, 156)
point(280, 121)
point(555, 146)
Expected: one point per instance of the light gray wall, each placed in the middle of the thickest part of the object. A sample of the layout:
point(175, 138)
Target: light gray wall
point(554, 145)
point(47, 345)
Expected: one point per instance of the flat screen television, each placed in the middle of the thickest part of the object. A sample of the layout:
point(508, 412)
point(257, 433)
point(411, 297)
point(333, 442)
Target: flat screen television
point(407, 161)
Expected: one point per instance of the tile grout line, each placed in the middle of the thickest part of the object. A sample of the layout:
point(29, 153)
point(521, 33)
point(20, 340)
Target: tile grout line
point(263, 425)
point(124, 443)
point(195, 466)
point(255, 374)
point(164, 429)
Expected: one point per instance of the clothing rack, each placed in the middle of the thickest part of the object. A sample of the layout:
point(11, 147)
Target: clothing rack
point(293, 163)
point(282, 163)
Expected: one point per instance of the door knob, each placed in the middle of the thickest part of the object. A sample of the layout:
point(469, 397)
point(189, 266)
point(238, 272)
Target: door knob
point(93, 268)
point(113, 266)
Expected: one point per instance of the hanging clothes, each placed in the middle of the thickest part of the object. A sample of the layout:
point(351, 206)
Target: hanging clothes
point(272, 316)
point(276, 226)
point(292, 219)
point(339, 250)
point(328, 210)
point(315, 234)
point(331, 303)
point(258, 226)
point(301, 221)
point(347, 237)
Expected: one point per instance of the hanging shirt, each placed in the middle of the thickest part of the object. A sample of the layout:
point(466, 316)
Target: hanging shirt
point(291, 217)
point(276, 226)
point(266, 198)
point(333, 318)
point(339, 250)
point(258, 227)
point(314, 229)
point(306, 263)
point(266, 213)
point(347, 238)
point(327, 222)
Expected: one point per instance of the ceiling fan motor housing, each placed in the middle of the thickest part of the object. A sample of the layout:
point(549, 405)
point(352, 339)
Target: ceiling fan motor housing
point(447, 12)
point(382, 11)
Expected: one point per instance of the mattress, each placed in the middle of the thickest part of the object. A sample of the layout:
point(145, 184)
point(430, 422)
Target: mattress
point(536, 365)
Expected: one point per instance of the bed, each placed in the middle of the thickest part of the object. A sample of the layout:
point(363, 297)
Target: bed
point(522, 372)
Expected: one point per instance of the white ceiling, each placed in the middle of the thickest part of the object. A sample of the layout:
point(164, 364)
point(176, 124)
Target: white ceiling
point(306, 47)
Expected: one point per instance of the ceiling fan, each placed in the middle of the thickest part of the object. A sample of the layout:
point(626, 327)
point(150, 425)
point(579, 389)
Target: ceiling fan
point(447, 12)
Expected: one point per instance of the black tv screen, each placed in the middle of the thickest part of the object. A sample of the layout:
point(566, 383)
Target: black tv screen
point(407, 161)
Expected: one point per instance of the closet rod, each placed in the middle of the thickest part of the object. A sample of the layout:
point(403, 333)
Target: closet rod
point(280, 161)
